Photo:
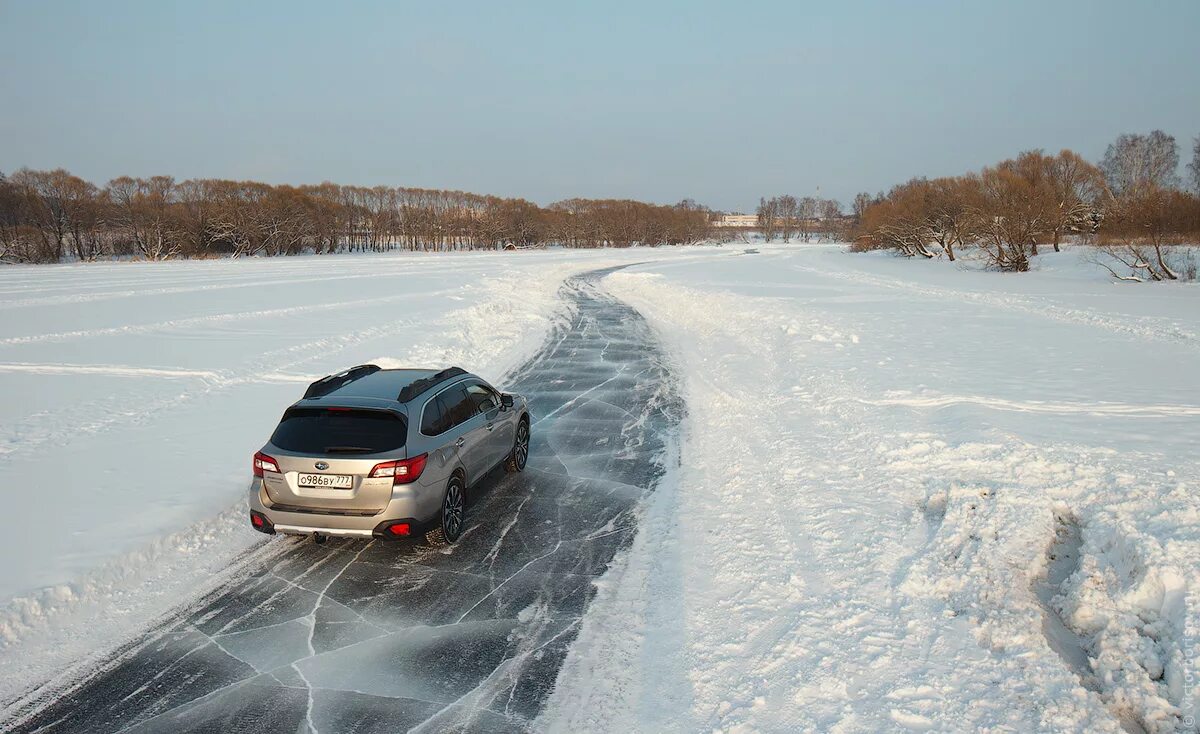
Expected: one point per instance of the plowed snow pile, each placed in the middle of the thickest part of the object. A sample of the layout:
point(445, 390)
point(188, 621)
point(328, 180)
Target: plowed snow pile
point(911, 496)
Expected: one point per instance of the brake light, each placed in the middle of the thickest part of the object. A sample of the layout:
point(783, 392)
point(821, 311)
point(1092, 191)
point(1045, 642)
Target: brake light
point(400, 529)
point(262, 463)
point(403, 471)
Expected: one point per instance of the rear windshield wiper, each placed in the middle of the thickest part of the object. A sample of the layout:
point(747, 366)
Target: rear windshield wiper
point(349, 450)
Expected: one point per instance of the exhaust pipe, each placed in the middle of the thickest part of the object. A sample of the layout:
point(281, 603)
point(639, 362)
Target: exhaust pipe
point(319, 538)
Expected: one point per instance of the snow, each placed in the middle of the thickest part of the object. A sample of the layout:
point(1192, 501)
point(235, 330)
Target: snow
point(132, 396)
point(905, 495)
point(909, 496)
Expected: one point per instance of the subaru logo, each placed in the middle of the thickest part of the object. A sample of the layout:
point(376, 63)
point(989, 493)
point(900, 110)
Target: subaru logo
point(322, 465)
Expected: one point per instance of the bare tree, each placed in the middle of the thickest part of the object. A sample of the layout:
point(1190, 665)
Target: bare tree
point(953, 211)
point(1077, 188)
point(1194, 166)
point(768, 216)
point(144, 209)
point(59, 210)
point(829, 212)
point(862, 200)
point(1138, 216)
point(85, 207)
point(1017, 207)
point(1144, 225)
point(196, 203)
point(10, 221)
point(900, 221)
point(1134, 161)
point(809, 206)
point(45, 215)
point(788, 210)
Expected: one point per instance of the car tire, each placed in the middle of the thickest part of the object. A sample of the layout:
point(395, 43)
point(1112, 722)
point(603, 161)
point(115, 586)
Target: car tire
point(450, 519)
point(519, 456)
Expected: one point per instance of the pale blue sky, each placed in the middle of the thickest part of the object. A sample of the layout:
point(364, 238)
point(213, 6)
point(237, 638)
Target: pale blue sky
point(722, 102)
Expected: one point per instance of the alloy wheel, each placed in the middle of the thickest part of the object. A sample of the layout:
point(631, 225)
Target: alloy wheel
point(452, 511)
point(521, 450)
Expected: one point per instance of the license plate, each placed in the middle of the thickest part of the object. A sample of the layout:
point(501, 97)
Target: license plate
point(325, 481)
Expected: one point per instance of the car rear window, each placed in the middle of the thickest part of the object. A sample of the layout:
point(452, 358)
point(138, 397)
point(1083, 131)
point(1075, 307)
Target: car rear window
point(339, 430)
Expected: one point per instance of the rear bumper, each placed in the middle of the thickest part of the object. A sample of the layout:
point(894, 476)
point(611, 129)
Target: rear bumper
point(298, 522)
point(332, 532)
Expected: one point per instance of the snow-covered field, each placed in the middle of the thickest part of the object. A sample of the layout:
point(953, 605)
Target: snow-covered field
point(908, 495)
point(133, 395)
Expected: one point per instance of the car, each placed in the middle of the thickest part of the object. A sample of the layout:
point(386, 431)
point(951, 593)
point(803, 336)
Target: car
point(385, 453)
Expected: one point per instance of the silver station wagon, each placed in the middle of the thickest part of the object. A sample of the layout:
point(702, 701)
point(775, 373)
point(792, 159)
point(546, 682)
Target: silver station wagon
point(385, 453)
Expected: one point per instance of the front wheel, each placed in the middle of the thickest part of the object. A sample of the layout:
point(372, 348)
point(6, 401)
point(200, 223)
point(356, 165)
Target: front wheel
point(520, 450)
point(450, 523)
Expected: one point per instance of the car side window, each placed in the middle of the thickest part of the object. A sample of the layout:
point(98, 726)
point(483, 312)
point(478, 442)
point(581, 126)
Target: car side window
point(483, 399)
point(457, 406)
point(433, 420)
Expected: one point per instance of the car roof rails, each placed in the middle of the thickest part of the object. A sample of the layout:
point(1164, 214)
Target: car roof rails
point(416, 387)
point(329, 383)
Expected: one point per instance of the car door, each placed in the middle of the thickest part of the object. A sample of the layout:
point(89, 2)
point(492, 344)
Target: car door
point(467, 430)
point(500, 431)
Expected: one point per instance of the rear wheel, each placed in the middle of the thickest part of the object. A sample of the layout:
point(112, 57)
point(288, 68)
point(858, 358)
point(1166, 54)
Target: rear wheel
point(520, 450)
point(450, 521)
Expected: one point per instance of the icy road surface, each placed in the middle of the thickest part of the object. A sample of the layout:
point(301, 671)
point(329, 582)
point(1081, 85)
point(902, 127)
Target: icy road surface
point(377, 637)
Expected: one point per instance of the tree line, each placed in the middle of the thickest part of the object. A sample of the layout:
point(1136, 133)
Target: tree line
point(50, 216)
point(1131, 206)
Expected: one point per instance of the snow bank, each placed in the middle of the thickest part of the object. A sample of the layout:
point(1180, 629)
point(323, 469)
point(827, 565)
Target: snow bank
point(1128, 600)
point(909, 498)
point(995, 530)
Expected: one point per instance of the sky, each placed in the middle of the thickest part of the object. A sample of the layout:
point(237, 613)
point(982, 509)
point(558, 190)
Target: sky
point(659, 101)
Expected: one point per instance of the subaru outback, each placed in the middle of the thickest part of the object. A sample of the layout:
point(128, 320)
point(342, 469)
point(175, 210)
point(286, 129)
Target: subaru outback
point(385, 453)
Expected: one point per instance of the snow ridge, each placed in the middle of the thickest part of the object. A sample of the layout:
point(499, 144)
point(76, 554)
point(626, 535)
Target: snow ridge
point(856, 558)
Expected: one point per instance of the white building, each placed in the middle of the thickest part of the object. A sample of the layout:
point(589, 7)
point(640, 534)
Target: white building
point(736, 220)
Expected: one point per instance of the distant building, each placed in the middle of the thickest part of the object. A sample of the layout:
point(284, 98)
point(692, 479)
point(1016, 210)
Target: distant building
point(736, 220)
point(750, 221)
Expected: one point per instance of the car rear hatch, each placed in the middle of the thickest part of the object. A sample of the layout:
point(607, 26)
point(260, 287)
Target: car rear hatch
point(325, 456)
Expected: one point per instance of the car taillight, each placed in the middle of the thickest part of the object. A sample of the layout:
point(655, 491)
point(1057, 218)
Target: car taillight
point(403, 471)
point(262, 463)
point(400, 529)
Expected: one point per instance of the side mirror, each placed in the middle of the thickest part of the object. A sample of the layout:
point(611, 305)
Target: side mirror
point(506, 400)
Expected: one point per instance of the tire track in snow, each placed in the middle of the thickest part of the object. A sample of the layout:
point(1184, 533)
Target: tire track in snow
point(111, 370)
point(108, 295)
point(234, 316)
point(1132, 410)
point(1139, 327)
point(60, 427)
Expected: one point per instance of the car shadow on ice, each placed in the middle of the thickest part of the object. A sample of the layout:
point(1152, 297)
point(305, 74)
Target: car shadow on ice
point(373, 636)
